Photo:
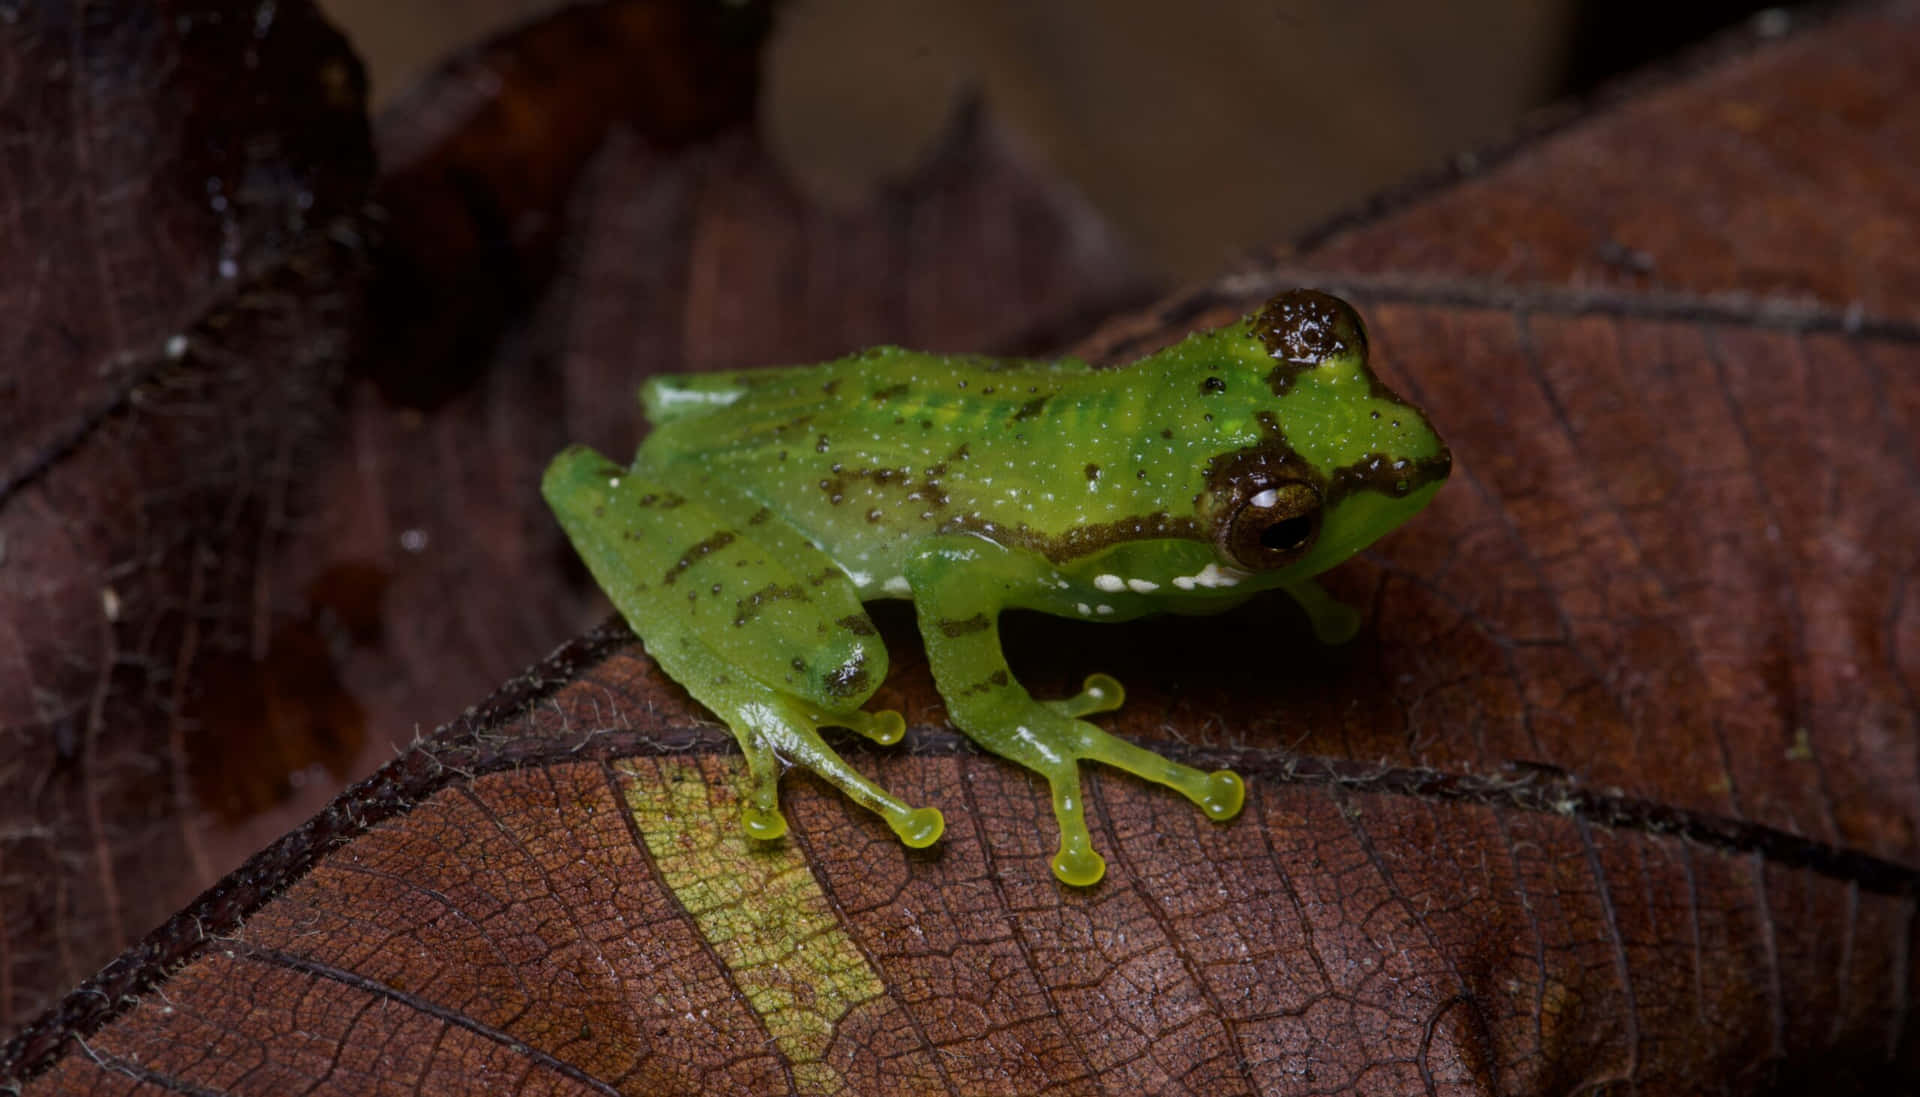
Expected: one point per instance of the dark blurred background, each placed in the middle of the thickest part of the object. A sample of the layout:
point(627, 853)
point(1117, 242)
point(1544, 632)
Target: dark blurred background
point(1199, 130)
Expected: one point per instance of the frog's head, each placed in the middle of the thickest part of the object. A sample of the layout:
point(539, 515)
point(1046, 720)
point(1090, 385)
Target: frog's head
point(1339, 460)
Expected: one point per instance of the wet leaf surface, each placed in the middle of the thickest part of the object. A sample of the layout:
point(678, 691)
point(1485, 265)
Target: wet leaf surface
point(1617, 790)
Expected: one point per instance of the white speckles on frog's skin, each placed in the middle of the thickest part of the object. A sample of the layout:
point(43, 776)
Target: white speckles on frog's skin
point(1213, 575)
point(1103, 608)
point(1142, 586)
point(1084, 609)
point(1109, 582)
point(897, 585)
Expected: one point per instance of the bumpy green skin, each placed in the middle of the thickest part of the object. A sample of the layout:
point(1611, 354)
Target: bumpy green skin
point(767, 505)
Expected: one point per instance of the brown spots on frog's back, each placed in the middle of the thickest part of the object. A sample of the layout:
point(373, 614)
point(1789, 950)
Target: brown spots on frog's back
point(1274, 435)
point(858, 624)
point(1031, 408)
point(698, 552)
point(849, 679)
point(999, 679)
point(891, 392)
point(1212, 386)
point(746, 609)
point(955, 627)
point(760, 517)
point(1093, 472)
point(940, 467)
point(823, 576)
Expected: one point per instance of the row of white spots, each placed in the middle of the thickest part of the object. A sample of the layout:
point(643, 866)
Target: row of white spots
point(1115, 583)
point(1213, 575)
point(1087, 611)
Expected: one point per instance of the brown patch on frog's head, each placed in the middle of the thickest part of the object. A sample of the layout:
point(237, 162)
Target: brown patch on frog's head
point(1303, 328)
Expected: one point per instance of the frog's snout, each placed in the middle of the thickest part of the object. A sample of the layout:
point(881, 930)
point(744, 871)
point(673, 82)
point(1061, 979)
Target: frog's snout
point(1429, 471)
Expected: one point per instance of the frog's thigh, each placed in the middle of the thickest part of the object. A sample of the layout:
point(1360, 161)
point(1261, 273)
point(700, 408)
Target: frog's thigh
point(955, 590)
point(765, 632)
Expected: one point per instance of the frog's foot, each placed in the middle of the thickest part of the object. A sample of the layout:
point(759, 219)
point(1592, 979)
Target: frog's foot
point(1055, 751)
point(782, 729)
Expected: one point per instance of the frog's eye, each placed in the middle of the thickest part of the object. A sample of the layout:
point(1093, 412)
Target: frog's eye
point(1275, 525)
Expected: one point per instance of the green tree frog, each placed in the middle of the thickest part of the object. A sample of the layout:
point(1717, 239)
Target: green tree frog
point(767, 505)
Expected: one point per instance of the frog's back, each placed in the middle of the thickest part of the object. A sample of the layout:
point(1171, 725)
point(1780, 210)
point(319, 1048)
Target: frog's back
point(871, 394)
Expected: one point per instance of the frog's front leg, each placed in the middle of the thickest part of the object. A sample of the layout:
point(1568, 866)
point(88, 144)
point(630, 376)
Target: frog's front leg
point(756, 623)
point(1333, 621)
point(960, 584)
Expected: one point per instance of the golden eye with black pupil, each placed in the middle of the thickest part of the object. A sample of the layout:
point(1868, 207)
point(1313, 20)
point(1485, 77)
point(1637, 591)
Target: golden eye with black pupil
point(1275, 526)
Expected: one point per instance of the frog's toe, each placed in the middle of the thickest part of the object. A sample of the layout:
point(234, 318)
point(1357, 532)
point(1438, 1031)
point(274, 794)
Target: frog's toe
point(760, 813)
point(1099, 693)
point(1077, 864)
point(761, 824)
point(1225, 794)
point(885, 727)
point(917, 828)
point(1335, 623)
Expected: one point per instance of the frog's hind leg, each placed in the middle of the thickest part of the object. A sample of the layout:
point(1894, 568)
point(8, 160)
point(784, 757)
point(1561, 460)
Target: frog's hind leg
point(775, 729)
point(755, 622)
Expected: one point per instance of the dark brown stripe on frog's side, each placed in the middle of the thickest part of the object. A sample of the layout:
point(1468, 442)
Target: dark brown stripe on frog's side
point(1390, 476)
point(696, 553)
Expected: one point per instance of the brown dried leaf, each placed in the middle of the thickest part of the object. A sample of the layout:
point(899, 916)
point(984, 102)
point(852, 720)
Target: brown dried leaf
point(1618, 790)
point(181, 190)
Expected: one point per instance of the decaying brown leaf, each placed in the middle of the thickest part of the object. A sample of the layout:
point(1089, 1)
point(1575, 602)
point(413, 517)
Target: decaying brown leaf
point(1617, 791)
point(178, 291)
